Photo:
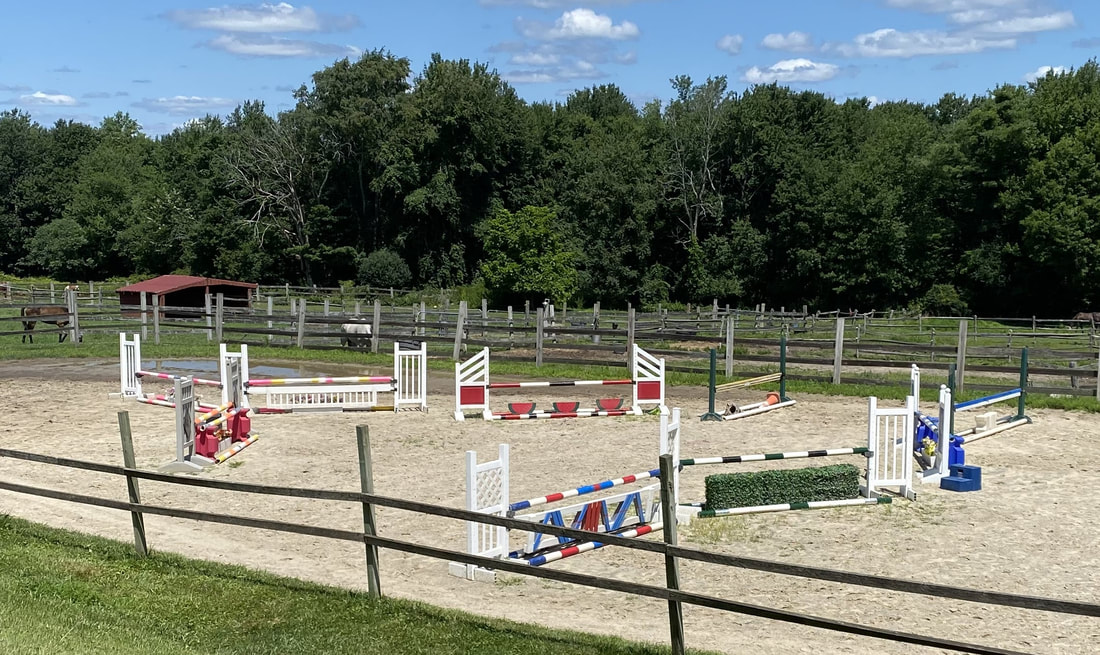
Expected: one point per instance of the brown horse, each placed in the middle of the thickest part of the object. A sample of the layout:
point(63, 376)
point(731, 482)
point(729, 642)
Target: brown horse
point(40, 312)
point(1087, 316)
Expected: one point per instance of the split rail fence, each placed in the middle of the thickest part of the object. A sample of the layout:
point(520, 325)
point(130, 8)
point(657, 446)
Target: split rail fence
point(864, 348)
point(671, 591)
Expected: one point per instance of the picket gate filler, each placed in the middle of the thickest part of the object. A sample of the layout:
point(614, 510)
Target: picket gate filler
point(472, 387)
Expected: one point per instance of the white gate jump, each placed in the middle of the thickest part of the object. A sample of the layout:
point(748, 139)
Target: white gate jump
point(472, 387)
point(409, 386)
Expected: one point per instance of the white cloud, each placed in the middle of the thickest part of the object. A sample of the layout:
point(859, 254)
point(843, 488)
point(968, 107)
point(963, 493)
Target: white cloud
point(264, 18)
point(65, 69)
point(730, 43)
point(41, 99)
point(791, 42)
point(1042, 72)
point(576, 70)
point(278, 47)
point(792, 70)
point(534, 59)
point(97, 94)
point(958, 6)
point(1028, 24)
point(184, 105)
point(551, 4)
point(893, 43)
point(627, 58)
point(970, 16)
point(578, 24)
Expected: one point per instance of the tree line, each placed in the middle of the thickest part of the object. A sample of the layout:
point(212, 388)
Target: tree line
point(987, 204)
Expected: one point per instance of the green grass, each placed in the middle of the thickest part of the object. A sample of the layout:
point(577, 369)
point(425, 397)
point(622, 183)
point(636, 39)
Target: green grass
point(63, 592)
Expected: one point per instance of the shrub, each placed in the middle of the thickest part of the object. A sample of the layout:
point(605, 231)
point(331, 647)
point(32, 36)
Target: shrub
point(942, 300)
point(384, 268)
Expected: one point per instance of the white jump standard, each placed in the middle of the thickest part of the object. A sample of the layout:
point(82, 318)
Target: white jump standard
point(936, 454)
point(131, 373)
point(472, 387)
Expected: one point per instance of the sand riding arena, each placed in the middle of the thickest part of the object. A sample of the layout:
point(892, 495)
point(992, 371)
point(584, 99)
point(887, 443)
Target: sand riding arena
point(1031, 530)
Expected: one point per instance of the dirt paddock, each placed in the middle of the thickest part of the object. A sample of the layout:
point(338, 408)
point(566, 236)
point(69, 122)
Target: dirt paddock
point(1031, 530)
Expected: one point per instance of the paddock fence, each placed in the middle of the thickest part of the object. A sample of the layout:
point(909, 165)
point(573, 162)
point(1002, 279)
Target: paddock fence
point(669, 549)
point(871, 348)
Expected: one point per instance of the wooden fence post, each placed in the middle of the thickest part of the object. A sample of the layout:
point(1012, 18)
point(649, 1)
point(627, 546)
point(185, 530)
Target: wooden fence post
point(301, 322)
point(838, 349)
point(145, 316)
point(596, 321)
point(366, 484)
point(538, 336)
point(423, 318)
point(730, 326)
point(376, 330)
point(672, 566)
point(208, 310)
point(141, 546)
point(526, 313)
point(270, 307)
point(219, 317)
point(53, 297)
point(484, 317)
point(511, 332)
point(630, 339)
point(960, 358)
point(458, 329)
point(156, 318)
point(74, 311)
point(1098, 378)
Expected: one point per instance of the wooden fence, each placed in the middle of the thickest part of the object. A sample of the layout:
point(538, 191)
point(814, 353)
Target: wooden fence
point(823, 347)
point(669, 548)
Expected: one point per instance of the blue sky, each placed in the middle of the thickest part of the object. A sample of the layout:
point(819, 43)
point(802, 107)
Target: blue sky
point(167, 62)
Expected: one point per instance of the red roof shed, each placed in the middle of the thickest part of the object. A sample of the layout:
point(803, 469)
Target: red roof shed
point(187, 291)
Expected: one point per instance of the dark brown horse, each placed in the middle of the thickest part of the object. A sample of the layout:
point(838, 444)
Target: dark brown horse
point(41, 312)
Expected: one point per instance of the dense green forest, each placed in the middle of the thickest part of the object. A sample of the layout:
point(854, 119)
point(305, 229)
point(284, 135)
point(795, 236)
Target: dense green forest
point(989, 204)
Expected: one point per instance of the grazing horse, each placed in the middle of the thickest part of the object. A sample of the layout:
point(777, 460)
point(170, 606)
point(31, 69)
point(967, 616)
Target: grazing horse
point(40, 312)
point(1087, 316)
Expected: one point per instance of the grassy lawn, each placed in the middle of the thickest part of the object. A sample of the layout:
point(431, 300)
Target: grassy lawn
point(63, 592)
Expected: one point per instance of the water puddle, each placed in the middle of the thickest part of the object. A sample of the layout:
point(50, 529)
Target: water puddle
point(209, 368)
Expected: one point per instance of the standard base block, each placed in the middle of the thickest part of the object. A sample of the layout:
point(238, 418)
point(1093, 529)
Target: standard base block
point(963, 478)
